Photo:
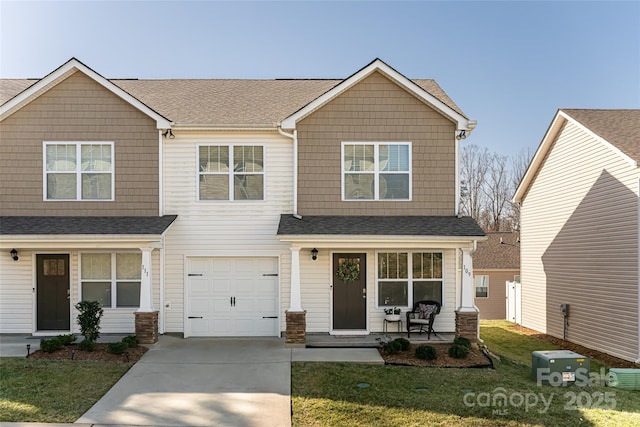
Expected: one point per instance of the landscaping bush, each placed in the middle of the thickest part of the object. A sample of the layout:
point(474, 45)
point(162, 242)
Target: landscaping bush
point(426, 352)
point(465, 342)
point(87, 345)
point(51, 345)
point(458, 351)
point(131, 341)
point(404, 343)
point(66, 339)
point(89, 319)
point(117, 347)
point(392, 347)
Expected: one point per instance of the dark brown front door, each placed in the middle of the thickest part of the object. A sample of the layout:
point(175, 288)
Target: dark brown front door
point(53, 292)
point(350, 297)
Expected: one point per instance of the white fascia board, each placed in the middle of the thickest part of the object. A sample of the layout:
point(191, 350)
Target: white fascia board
point(335, 241)
point(546, 143)
point(378, 65)
point(91, 241)
point(226, 127)
point(61, 74)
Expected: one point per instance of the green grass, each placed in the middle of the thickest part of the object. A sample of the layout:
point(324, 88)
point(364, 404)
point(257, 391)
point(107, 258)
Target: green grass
point(53, 391)
point(327, 394)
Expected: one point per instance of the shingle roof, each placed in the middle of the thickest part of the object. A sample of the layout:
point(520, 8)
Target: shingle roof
point(500, 251)
point(621, 128)
point(380, 226)
point(225, 101)
point(83, 225)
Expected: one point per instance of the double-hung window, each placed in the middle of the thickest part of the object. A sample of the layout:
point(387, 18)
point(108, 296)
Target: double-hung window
point(405, 278)
point(112, 279)
point(230, 172)
point(78, 171)
point(376, 171)
point(482, 286)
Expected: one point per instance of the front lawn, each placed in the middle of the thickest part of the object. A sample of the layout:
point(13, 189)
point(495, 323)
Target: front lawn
point(53, 391)
point(335, 394)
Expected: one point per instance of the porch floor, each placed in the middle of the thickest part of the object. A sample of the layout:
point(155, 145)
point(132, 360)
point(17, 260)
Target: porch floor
point(321, 340)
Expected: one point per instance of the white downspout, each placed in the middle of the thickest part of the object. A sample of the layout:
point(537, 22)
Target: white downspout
point(457, 172)
point(160, 213)
point(294, 138)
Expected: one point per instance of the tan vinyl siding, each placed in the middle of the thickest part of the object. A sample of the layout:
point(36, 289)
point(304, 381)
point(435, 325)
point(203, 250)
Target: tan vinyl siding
point(210, 228)
point(580, 245)
point(376, 110)
point(494, 306)
point(79, 109)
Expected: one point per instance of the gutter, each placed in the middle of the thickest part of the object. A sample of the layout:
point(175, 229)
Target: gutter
point(294, 138)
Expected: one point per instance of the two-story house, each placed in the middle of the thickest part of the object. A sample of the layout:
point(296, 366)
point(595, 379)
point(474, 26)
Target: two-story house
point(232, 207)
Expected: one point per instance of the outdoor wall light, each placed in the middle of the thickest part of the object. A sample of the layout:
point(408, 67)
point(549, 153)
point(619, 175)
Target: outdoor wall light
point(168, 132)
point(14, 254)
point(314, 254)
point(462, 135)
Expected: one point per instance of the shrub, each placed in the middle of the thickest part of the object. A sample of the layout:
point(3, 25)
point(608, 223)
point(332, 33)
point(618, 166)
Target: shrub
point(426, 352)
point(131, 341)
point(66, 339)
point(51, 345)
point(392, 347)
point(117, 347)
point(89, 319)
point(465, 342)
point(458, 351)
point(87, 345)
point(404, 343)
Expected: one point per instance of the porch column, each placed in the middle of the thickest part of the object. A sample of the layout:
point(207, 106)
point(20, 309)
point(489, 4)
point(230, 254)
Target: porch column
point(467, 314)
point(146, 316)
point(296, 316)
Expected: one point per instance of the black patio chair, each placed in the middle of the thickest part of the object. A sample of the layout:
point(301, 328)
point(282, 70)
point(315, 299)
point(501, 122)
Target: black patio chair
point(422, 316)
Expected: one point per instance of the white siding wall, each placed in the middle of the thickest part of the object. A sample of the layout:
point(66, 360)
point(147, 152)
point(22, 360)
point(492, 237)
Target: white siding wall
point(222, 228)
point(316, 291)
point(17, 300)
point(597, 229)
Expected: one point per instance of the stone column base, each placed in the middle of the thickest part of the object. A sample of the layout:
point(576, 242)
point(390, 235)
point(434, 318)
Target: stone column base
point(147, 327)
point(467, 325)
point(296, 335)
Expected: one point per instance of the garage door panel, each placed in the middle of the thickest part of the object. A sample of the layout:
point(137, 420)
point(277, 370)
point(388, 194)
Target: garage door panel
point(234, 295)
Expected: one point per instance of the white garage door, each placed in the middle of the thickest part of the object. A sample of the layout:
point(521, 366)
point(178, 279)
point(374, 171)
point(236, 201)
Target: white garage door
point(232, 297)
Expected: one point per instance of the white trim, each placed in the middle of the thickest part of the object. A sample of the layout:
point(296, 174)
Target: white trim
point(160, 174)
point(456, 204)
point(323, 241)
point(78, 171)
point(378, 65)
point(231, 173)
point(61, 74)
point(91, 241)
point(113, 279)
point(547, 143)
point(376, 170)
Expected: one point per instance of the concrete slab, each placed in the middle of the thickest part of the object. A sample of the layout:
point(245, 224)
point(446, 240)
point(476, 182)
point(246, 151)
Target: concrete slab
point(201, 382)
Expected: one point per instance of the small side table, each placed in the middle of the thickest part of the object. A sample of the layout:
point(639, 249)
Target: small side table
point(387, 321)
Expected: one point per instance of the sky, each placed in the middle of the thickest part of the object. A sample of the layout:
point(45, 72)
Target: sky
point(508, 64)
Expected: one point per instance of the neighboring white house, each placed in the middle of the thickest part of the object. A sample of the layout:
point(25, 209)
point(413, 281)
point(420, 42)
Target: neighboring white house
point(579, 234)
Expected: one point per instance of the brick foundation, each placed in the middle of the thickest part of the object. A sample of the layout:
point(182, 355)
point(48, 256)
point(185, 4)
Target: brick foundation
point(147, 327)
point(296, 329)
point(467, 325)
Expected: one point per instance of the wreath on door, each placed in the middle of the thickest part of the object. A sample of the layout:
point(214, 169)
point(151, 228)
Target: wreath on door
point(348, 271)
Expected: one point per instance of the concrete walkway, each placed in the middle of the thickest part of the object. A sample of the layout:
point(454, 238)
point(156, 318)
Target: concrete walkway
point(204, 382)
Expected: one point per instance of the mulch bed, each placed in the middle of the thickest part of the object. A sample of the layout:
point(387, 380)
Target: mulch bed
point(603, 358)
point(475, 359)
point(100, 354)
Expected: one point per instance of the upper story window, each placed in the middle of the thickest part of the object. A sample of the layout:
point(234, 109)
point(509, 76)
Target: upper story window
point(78, 171)
point(230, 172)
point(376, 171)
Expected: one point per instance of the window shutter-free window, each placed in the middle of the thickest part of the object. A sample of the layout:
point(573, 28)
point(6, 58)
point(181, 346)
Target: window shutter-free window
point(112, 279)
point(230, 172)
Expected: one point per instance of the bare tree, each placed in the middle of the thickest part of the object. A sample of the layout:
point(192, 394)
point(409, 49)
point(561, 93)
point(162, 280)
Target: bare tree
point(473, 170)
point(497, 191)
point(519, 164)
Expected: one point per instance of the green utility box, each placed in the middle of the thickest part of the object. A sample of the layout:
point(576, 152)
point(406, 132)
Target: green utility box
point(624, 378)
point(558, 367)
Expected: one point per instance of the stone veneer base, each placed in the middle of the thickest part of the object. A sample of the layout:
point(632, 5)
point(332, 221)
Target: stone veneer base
point(296, 335)
point(147, 327)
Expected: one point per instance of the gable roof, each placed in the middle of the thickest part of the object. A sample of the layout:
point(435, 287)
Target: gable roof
point(32, 91)
point(448, 109)
point(501, 251)
point(228, 102)
point(617, 129)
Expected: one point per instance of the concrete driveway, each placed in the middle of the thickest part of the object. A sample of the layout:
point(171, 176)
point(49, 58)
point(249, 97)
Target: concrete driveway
point(202, 382)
